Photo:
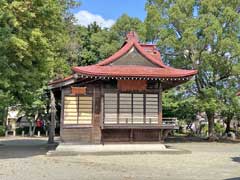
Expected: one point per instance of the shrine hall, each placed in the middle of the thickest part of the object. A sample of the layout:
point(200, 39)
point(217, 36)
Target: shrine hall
point(119, 99)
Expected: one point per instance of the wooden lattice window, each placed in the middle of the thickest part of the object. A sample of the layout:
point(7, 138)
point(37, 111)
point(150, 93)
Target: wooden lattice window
point(125, 108)
point(110, 108)
point(131, 108)
point(77, 110)
point(138, 108)
point(152, 108)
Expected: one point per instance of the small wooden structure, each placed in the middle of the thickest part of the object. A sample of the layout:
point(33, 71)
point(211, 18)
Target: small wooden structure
point(119, 98)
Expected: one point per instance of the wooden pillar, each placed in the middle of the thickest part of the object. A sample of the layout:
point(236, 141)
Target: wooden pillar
point(102, 118)
point(131, 135)
point(165, 133)
point(160, 105)
point(53, 118)
point(160, 135)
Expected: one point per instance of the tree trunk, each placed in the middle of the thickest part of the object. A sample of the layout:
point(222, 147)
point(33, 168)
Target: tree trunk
point(228, 128)
point(5, 115)
point(52, 122)
point(34, 128)
point(210, 117)
point(228, 122)
point(30, 129)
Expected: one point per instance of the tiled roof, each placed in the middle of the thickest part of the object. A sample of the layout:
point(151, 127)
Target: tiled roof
point(149, 52)
point(152, 50)
point(133, 71)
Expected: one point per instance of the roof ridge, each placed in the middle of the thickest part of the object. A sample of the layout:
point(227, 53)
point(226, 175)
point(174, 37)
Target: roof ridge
point(132, 41)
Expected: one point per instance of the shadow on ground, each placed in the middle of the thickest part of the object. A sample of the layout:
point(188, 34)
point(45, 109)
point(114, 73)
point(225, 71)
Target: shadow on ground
point(235, 178)
point(187, 139)
point(23, 148)
point(236, 159)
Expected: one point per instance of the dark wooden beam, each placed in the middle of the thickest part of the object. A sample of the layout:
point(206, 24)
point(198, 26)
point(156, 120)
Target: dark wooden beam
point(160, 105)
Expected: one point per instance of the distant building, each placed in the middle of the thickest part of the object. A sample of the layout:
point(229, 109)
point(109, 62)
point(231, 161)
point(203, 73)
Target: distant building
point(15, 119)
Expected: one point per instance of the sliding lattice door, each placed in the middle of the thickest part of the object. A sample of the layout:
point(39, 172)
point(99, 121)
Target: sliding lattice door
point(131, 108)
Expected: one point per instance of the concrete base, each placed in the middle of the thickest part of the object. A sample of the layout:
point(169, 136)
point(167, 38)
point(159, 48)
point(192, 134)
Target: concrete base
point(111, 149)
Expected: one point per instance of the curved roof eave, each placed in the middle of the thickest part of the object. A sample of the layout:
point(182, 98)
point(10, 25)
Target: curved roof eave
point(132, 71)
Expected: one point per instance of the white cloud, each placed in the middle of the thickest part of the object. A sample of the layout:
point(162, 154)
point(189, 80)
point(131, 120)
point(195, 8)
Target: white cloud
point(85, 18)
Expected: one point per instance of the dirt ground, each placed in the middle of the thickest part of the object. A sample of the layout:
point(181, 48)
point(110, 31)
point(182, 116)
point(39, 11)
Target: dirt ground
point(25, 159)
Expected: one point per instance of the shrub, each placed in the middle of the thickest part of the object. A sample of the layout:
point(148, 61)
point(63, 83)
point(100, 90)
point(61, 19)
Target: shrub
point(204, 129)
point(20, 129)
point(2, 130)
point(219, 129)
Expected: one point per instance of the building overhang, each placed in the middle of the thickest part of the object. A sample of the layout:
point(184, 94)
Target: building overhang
point(133, 73)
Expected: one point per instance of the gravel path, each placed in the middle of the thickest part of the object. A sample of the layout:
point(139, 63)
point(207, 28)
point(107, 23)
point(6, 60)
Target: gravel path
point(26, 160)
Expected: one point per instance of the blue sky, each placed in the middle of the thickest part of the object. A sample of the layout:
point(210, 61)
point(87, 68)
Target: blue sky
point(105, 12)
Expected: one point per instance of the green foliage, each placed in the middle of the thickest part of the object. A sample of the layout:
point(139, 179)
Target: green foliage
point(32, 37)
point(152, 22)
point(208, 100)
point(19, 130)
point(204, 129)
point(88, 45)
point(125, 24)
point(230, 103)
point(180, 103)
point(40, 42)
point(2, 131)
point(202, 35)
point(219, 128)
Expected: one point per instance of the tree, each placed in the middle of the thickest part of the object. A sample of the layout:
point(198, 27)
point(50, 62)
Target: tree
point(202, 35)
point(230, 105)
point(88, 45)
point(152, 23)
point(125, 24)
point(32, 37)
point(180, 103)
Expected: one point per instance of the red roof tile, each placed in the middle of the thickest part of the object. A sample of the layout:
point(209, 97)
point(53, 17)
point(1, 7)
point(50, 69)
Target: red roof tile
point(152, 50)
point(133, 71)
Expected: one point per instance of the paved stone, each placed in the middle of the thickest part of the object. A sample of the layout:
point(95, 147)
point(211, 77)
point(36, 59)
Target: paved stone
point(108, 149)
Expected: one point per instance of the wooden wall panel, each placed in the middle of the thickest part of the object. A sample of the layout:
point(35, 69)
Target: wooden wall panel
point(85, 132)
point(80, 135)
point(123, 135)
point(132, 85)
